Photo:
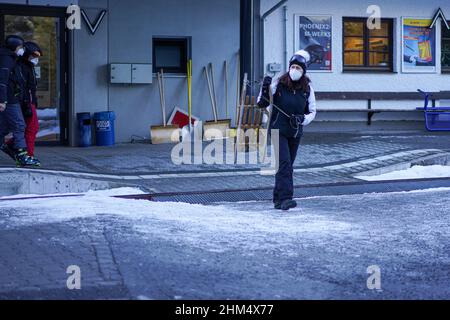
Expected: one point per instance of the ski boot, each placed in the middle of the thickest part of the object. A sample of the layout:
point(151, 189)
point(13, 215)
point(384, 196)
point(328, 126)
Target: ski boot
point(23, 159)
point(6, 148)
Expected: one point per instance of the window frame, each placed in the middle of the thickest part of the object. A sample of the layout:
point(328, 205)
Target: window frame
point(366, 47)
point(444, 69)
point(184, 43)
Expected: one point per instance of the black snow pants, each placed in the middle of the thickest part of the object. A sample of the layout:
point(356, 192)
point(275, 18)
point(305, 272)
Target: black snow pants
point(284, 179)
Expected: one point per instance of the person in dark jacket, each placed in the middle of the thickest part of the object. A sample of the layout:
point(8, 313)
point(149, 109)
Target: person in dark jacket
point(29, 103)
point(11, 117)
point(293, 107)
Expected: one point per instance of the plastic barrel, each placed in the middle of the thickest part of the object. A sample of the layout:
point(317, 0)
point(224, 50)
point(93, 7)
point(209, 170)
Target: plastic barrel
point(104, 128)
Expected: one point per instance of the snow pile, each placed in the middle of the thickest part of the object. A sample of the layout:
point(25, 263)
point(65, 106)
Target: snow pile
point(108, 193)
point(115, 192)
point(416, 172)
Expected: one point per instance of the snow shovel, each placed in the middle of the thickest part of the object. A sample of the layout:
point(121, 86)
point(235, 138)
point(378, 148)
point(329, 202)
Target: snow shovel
point(211, 127)
point(165, 133)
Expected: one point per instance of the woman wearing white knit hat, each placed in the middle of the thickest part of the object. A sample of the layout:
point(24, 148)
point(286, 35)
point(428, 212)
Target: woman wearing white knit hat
point(294, 106)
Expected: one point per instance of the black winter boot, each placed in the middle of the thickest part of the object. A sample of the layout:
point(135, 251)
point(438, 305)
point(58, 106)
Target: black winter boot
point(288, 204)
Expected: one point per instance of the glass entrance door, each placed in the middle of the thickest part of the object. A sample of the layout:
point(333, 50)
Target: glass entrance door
point(48, 32)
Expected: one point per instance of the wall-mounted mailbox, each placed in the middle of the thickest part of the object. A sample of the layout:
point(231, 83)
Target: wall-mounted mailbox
point(120, 73)
point(274, 67)
point(142, 73)
point(127, 73)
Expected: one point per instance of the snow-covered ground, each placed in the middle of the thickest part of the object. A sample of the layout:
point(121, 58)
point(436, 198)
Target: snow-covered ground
point(415, 172)
point(246, 250)
point(192, 221)
point(182, 221)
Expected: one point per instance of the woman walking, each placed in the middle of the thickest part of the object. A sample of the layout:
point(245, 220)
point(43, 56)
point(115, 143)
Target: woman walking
point(27, 66)
point(294, 106)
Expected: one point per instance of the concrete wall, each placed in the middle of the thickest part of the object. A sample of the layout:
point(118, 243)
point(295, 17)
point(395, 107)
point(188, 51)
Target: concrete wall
point(339, 81)
point(125, 36)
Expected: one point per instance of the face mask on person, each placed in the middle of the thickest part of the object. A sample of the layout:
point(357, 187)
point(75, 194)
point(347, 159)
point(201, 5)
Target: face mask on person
point(20, 52)
point(34, 61)
point(295, 74)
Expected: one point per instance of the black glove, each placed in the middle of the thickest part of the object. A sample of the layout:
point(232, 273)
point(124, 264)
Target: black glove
point(265, 97)
point(266, 87)
point(297, 120)
point(302, 118)
point(266, 83)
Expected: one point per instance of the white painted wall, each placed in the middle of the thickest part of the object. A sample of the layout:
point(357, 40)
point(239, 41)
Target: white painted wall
point(339, 81)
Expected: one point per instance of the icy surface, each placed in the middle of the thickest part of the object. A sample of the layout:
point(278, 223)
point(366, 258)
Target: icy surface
point(416, 172)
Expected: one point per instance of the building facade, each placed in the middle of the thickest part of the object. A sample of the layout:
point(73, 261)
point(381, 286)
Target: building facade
point(358, 67)
point(76, 71)
point(110, 60)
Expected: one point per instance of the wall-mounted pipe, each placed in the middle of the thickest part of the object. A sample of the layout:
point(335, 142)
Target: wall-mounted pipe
point(286, 57)
point(262, 30)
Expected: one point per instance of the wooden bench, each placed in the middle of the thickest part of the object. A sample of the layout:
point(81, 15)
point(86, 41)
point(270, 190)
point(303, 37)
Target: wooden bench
point(378, 96)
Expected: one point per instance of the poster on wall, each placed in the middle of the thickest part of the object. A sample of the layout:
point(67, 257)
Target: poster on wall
point(314, 34)
point(419, 46)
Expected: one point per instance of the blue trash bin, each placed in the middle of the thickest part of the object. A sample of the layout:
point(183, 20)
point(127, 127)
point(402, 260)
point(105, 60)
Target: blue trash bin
point(104, 128)
point(84, 129)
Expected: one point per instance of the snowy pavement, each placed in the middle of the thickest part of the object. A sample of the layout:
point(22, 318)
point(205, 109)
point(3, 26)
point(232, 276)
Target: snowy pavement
point(415, 172)
point(149, 250)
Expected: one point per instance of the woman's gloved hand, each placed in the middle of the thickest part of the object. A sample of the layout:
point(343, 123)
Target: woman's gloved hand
point(266, 85)
point(265, 96)
point(302, 118)
point(297, 120)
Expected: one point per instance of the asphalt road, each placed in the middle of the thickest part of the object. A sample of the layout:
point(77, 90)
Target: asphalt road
point(143, 250)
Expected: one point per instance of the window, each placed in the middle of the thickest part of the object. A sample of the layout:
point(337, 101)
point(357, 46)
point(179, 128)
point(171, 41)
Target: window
point(170, 54)
point(445, 49)
point(365, 49)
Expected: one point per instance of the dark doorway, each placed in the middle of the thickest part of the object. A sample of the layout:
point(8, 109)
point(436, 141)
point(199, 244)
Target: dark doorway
point(46, 26)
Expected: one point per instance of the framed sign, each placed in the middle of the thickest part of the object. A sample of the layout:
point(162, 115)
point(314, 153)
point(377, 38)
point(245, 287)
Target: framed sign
point(313, 33)
point(418, 46)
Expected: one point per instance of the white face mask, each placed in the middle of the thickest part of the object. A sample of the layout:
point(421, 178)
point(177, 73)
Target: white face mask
point(35, 61)
point(20, 52)
point(295, 74)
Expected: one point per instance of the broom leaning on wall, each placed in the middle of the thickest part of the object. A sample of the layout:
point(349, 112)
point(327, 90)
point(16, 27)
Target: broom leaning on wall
point(165, 133)
point(212, 128)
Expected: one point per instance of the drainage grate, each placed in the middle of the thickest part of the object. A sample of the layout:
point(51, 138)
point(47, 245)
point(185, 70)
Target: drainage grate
point(304, 192)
